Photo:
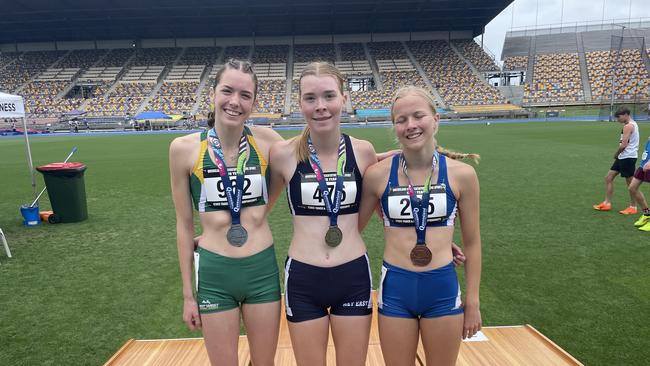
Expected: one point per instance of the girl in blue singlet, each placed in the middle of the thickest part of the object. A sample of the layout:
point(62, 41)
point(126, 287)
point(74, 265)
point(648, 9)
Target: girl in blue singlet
point(422, 192)
point(223, 173)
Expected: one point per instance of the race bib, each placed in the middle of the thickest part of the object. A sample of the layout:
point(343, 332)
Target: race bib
point(311, 196)
point(399, 204)
point(215, 191)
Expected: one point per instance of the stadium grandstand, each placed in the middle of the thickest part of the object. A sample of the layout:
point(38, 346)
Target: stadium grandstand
point(110, 73)
point(591, 65)
point(107, 74)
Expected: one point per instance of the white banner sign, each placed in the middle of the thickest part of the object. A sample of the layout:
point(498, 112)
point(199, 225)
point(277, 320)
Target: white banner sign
point(11, 106)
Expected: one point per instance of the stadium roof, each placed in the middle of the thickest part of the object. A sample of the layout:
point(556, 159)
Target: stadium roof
point(69, 20)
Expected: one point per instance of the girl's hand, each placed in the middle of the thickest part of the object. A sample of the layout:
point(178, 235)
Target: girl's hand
point(191, 316)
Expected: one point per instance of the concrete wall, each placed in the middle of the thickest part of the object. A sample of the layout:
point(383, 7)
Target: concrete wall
point(87, 45)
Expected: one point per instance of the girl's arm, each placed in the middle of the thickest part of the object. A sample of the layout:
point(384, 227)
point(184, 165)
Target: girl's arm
point(469, 213)
point(369, 198)
point(179, 174)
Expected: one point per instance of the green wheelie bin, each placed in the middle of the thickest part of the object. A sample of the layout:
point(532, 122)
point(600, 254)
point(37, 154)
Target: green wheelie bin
point(66, 189)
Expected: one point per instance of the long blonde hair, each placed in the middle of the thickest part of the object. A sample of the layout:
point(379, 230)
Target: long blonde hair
point(318, 69)
point(422, 93)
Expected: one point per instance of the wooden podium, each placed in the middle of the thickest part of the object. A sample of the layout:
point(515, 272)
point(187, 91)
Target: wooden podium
point(505, 346)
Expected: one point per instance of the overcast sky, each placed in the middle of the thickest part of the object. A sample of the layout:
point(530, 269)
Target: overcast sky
point(550, 12)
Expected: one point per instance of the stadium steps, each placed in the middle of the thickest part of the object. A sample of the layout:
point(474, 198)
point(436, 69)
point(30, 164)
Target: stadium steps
point(101, 58)
point(531, 62)
point(645, 58)
point(513, 93)
point(348, 103)
point(471, 66)
point(373, 65)
point(288, 86)
point(492, 57)
point(81, 71)
point(153, 93)
point(69, 87)
point(205, 79)
point(159, 84)
point(337, 52)
point(115, 83)
point(11, 63)
point(424, 77)
point(584, 74)
point(475, 71)
point(36, 75)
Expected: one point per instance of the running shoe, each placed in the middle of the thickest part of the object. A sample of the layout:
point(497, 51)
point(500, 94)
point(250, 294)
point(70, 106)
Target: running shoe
point(645, 227)
point(602, 206)
point(642, 220)
point(628, 211)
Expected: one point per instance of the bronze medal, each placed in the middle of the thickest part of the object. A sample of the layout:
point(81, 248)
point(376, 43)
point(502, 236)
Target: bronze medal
point(334, 236)
point(420, 255)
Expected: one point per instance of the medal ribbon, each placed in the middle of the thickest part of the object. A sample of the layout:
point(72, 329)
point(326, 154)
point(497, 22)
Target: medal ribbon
point(331, 207)
point(233, 194)
point(420, 206)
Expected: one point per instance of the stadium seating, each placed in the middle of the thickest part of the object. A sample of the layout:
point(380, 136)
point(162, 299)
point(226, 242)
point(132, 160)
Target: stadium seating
point(354, 68)
point(175, 97)
point(200, 56)
point(116, 57)
point(515, 63)
point(154, 56)
point(474, 54)
point(451, 76)
point(55, 82)
point(274, 71)
point(630, 77)
point(270, 96)
point(7, 58)
point(41, 99)
point(391, 81)
point(238, 52)
point(126, 98)
point(352, 52)
point(82, 59)
point(270, 54)
point(387, 50)
point(556, 78)
point(27, 66)
point(314, 52)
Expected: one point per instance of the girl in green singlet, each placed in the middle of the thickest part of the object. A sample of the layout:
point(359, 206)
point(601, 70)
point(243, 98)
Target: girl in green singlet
point(222, 172)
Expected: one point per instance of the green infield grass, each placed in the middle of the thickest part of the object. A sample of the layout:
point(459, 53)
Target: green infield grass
point(74, 293)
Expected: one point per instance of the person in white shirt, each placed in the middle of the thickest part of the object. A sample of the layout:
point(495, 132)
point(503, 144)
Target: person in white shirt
point(624, 161)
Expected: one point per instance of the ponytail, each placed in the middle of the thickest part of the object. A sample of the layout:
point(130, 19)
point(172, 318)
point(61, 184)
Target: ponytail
point(458, 155)
point(302, 151)
point(211, 119)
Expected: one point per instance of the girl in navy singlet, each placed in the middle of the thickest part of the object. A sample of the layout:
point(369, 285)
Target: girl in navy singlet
point(327, 273)
point(422, 192)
